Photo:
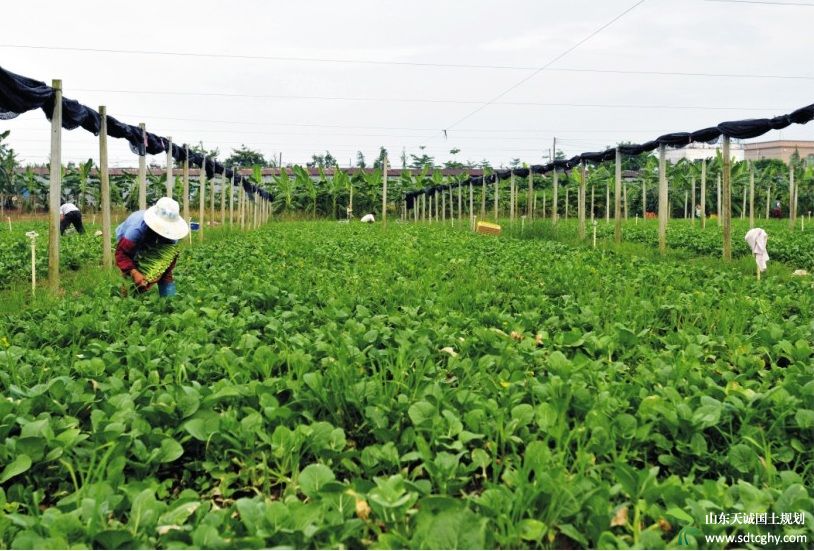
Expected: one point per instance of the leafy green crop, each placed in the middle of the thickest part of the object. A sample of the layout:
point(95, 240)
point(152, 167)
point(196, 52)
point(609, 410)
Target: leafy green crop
point(326, 385)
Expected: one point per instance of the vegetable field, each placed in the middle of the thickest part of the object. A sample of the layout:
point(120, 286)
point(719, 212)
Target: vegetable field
point(327, 385)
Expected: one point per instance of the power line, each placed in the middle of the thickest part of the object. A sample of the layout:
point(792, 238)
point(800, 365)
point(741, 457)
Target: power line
point(428, 100)
point(411, 63)
point(551, 62)
point(806, 4)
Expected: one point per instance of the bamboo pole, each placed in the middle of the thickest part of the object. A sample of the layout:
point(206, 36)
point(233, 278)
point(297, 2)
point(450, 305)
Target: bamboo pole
point(664, 205)
point(107, 253)
point(471, 203)
point(242, 207)
point(534, 206)
point(743, 206)
point(726, 206)
point(223, 198)
point(170, 162)
point(483, 195)
point(212, 199)
point(581, 200)
point(443, 206)
point(55, 187)
point(607, 201)
point(497, 196)
point(142, 170)
point(185, 176)
point(424, 207)
point(554, 191)
point(768, 200)
point(792, 194)
point(511, 196)
point(529, 197)
point(592, 202)
point(232, 200)
point(201, 198)
point(692, 203)
point(452, 206)
point(566, 203)
point(703, 193)
point(617, 198)
point(751, 195)
point(686, 201)
point(384, 192)
point(624, 192)
point(460, 204)
point(644, 199)
point(718, 206)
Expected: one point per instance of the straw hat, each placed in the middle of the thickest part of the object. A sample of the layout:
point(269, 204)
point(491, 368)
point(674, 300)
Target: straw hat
point(164, 219)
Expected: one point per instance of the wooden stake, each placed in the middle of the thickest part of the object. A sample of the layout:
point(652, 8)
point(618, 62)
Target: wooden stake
point(607, 201)
point(692, 203)
point(483, 195)
point(201, 198)
point(142, 171)
point(703, 193)
point(664, 204)
point(107, 253)
point(471, 202)
point(792, 196)
point(223, 185)
point(511, 196)
point(232, 200)
point(751, 195)
point(554, 185)
point(460, 204)
point(497, 196)
point(529, 196)
point(384, 192)
point(581, 201)
point(617, 198)
point(185, 177)
point(212, 200)
point(55, 187)
point(726, 206)
point(718, 206)
point(768, 200)
point(170, 162)
point(624, 192)
point(686, 201)
point(566, 203)
point(592, 202)
point(443, 206)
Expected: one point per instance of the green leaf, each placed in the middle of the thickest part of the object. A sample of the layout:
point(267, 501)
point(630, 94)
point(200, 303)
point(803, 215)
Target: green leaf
point(804, 418)
point(742, 458)
point(421, 412)
point(531, 529)
point(450, 529)
point(170, 451)
point(313, 477)
point(17, 467)
point(678, 514)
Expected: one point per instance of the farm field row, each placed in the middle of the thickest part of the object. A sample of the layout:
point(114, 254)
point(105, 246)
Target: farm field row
point(322, 384)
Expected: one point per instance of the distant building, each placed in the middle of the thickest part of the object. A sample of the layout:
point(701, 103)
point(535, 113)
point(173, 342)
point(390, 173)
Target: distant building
point(698, 151)
point(780, 149)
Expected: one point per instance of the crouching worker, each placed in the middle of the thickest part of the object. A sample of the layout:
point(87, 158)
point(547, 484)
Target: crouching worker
point(147, 246)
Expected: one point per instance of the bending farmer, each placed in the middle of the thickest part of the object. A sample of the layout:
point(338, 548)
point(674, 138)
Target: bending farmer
point(69, 214)
point(147, 246)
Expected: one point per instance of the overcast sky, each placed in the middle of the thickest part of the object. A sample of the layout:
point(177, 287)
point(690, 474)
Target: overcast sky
point(328, 99)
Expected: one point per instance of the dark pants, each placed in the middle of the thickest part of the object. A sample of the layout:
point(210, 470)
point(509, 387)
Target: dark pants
point(74, 217)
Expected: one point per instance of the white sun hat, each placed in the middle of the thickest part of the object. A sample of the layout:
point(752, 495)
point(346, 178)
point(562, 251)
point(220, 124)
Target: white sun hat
point(164, 219)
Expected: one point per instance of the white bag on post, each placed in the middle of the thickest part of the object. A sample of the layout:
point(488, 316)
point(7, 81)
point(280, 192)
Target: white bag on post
point(756, 238)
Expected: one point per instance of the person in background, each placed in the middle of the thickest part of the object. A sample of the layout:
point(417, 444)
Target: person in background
point(777, 210)
point(147, 246)
point(367, 219)
point(69, 214)
point(698, 210)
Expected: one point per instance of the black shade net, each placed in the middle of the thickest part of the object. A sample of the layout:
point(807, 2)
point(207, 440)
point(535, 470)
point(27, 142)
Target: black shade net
point(19, 94)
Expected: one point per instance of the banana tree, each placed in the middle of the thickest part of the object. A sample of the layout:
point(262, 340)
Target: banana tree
point(285, 187)
point(303, 181)
point(84, 175)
